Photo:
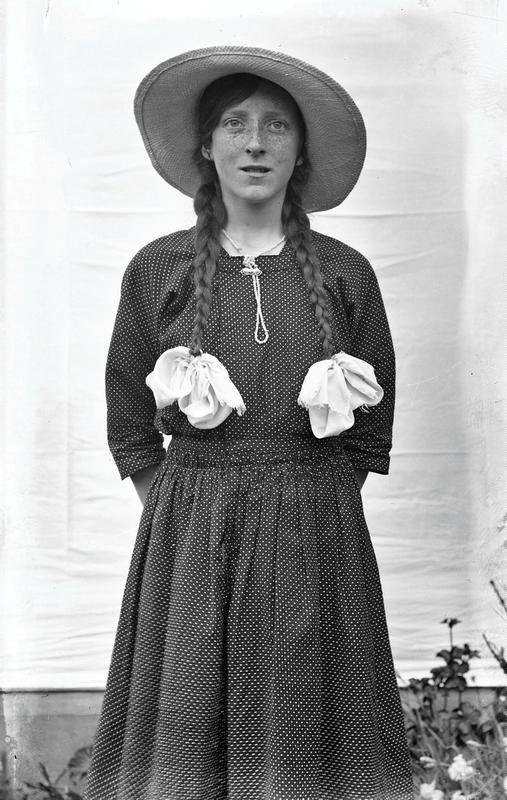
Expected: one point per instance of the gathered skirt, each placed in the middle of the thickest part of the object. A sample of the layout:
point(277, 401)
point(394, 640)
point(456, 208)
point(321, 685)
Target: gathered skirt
point(252, 658)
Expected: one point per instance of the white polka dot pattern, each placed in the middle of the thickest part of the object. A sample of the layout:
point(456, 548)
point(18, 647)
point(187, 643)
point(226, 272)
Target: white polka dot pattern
point(252, 659)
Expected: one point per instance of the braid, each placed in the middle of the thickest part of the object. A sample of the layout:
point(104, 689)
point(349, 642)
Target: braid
point(296, 227)
point(211, 218)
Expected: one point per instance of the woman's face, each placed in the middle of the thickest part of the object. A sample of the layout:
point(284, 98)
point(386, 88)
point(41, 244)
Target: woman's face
point(255, 147)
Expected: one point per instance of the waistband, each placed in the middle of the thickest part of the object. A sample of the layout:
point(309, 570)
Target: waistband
point(197, 452)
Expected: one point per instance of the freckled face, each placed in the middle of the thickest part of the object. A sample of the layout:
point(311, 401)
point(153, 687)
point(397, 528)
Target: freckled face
point(255, 147)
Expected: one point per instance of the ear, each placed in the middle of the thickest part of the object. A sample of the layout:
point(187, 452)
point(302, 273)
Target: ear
point(205, 151)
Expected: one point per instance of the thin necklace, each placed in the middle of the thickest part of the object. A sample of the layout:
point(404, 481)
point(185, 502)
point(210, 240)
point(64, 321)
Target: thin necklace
point(250, 268)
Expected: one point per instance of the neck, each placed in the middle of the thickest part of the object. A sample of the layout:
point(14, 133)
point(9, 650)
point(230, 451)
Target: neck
point(255, 227)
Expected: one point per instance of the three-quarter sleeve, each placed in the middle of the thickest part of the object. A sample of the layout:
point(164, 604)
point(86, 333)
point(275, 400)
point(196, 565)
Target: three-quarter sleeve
point(133, 439)
point(368, 442)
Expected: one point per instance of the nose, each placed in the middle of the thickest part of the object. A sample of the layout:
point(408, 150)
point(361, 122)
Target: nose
point(255, 142)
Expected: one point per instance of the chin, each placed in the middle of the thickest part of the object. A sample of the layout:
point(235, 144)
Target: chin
point(259, 196)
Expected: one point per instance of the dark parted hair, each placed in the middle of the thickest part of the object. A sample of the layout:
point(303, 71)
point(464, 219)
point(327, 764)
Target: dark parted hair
point(212, 215)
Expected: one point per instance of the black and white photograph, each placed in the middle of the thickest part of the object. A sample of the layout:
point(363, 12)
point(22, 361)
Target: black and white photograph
point(254, 514)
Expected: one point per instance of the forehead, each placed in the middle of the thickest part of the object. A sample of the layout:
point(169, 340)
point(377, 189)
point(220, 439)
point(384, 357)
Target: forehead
point(267, 98)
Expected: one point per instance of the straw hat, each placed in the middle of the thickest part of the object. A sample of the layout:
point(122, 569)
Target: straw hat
point(166, 103)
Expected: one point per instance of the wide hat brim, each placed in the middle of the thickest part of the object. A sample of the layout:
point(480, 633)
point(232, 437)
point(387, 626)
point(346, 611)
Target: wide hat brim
point(166, 102)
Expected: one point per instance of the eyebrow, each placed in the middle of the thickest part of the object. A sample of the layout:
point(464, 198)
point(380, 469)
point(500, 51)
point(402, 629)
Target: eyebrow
point(239, 112)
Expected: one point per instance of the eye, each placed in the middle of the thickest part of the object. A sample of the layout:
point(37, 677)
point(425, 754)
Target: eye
point(278, 124)
point(232, 123)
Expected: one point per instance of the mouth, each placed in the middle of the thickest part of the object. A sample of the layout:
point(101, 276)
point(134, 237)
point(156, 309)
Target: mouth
point(255, 170)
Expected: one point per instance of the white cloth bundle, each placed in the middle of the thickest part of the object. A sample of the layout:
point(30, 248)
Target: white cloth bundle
point(200, 384)
point(333, 388)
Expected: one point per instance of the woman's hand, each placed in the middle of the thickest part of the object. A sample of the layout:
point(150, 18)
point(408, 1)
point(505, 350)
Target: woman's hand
point(142, 481)
point(361, 475)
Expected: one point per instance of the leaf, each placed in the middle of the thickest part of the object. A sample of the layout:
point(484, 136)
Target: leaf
point(55, 793)
point(446, 655)
point(80, 760)
point(456, 682)
point(475, 717)
point(44, 772)
point(467, 650)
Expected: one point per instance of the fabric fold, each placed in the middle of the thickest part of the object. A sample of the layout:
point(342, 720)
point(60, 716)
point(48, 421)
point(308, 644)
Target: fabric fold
point(333, 388)
point(200, 384)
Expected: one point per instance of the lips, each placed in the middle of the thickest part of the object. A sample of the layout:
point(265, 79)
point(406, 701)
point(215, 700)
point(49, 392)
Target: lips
point(256, 169)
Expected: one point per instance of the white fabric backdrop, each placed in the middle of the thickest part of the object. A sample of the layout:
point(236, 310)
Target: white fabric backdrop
point(429, 212)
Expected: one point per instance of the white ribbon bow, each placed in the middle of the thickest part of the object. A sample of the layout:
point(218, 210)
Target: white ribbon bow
point(333, 388)
point(200, 384)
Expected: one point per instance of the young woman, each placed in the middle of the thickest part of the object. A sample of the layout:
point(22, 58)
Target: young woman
point(252, 659)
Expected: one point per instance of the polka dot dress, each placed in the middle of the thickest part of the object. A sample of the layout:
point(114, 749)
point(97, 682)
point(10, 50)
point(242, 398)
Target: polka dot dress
point(252, 659)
